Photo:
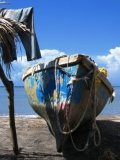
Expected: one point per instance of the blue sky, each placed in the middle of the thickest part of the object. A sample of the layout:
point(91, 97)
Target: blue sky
point(91, 27)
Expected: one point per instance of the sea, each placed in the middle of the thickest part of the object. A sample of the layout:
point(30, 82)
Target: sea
point(22, 107)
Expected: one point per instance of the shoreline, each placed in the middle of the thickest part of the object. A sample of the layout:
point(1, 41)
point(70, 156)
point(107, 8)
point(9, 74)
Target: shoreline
point(99, 117)
point(108, 117)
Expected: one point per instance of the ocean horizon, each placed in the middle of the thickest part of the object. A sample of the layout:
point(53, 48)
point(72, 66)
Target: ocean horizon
point(23, 108)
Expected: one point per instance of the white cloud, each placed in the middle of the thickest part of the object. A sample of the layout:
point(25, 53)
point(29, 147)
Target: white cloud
point(112, 62)
point(51, 53)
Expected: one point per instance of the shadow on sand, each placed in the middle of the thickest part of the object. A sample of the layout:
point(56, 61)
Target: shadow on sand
point(109, 149)
point(24, 155)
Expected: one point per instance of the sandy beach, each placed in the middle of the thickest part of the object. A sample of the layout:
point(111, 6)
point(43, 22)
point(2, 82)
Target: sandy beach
point(36, 143)
point(34, 140)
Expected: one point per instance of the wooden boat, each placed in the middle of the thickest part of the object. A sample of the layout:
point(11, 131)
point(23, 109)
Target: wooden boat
point(66, 92)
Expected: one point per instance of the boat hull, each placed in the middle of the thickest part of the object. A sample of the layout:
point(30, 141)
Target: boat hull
point(67, 92)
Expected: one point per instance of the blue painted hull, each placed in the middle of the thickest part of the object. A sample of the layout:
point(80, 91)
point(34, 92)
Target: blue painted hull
point(64, 93)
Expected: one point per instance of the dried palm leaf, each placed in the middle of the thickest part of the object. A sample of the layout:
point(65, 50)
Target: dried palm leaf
point(9, 36)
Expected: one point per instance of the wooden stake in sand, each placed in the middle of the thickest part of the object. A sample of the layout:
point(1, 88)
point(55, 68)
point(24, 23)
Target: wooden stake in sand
point(10, 89)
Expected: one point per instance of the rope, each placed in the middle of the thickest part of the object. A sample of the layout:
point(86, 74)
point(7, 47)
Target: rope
point(81, 118)
point(89, 135)
point(96, 129)
point(94, 126)
point(34, 68)
point(84, 147)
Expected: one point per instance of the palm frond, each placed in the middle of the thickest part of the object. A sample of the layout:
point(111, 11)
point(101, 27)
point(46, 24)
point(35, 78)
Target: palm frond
point(9, 35)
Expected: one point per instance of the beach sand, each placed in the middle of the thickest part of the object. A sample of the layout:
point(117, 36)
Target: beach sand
point(36, 143)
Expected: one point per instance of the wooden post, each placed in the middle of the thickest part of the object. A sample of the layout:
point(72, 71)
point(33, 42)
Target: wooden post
point(10, 89)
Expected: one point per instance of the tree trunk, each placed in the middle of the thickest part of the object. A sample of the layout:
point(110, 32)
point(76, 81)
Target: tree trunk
point(10, 89)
